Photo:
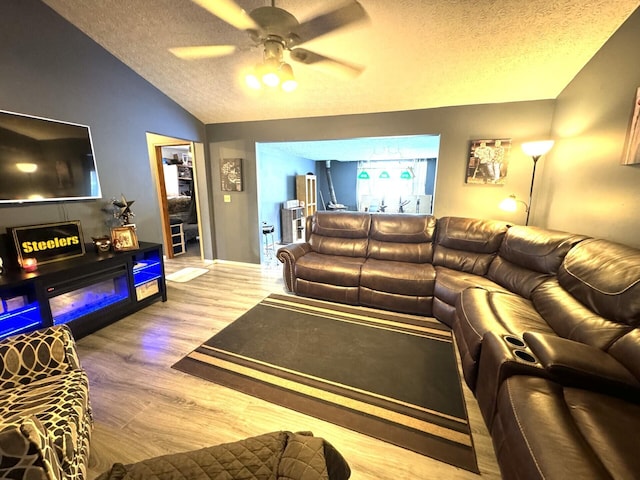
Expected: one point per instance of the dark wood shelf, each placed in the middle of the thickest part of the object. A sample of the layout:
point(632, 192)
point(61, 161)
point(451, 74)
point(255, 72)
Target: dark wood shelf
point(136, 278)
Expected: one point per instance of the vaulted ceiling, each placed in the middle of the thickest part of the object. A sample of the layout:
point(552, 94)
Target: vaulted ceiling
point(418, 53)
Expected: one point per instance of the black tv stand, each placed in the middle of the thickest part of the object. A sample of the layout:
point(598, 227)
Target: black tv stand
point(86, 293)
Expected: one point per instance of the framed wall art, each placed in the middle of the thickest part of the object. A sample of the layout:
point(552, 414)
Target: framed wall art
point(124, 238)
point(488, 161)
point(231, 174)
point(49, 242)
point(632, 149)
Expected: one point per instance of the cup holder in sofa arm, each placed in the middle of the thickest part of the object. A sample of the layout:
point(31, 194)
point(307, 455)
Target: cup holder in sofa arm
point(525, 356)
point(502, 356)
point(515, 341)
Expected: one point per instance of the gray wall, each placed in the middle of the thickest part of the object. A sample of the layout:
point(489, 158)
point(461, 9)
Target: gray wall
point(51, 69)
point(584, 187)
point(520, 121)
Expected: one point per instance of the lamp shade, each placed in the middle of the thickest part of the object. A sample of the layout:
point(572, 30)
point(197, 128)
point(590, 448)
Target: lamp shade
point(537, 149)
point(384, 174)
point(363, 175)
point(406, 175)
point(509, 204)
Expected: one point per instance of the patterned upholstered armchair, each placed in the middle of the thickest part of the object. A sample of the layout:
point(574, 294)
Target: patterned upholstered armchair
point(45, 415)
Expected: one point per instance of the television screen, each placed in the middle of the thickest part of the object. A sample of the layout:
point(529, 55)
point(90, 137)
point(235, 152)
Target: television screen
point(45, 160)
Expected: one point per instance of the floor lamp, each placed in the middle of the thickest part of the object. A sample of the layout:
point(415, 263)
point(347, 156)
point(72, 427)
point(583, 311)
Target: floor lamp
point(535, 150)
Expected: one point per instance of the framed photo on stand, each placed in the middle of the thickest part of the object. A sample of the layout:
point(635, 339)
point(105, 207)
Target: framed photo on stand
point(124, 238)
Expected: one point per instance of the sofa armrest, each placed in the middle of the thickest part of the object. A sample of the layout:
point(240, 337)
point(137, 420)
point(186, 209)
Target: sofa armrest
point(35, 355)
point(503, 356)
point(577, 364)
point(306, 457)
point(288, 255)
point(32, 454)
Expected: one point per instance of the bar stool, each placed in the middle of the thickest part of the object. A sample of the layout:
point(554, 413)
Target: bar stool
point(268, 241)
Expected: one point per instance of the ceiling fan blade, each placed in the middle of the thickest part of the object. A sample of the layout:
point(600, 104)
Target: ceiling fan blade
point(230, 12)
point(308, 57)
point(350, 12)
point(205, 51)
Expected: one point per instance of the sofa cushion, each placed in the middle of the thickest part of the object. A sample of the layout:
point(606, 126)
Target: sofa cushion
point(333, 269)
point(468, 244)
point(26, 451)
point(605, 277)
point(59, 403)
point(479, 311)
point(398, 277)
point(395, 302)
point(36, 355)
point(627, 351)
point(326, 291)
point(272, 456)
point(343, 233)
point(400, 286)
point(543, 430)
point(450, 283)
point(528, 256)
point(571, 319)
point(402, 237)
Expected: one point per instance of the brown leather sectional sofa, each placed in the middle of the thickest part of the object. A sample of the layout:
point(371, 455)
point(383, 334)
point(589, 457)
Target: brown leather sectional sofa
point(546, 324)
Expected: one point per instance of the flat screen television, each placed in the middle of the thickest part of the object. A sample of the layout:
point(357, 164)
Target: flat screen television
point(45, 160)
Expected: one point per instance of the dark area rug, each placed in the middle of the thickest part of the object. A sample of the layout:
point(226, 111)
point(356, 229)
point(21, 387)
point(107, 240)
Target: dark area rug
point(387, 375)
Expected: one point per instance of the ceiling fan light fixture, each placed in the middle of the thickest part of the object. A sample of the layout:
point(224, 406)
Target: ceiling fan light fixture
point(289, 83)
point(252, 80)
point(270, 75)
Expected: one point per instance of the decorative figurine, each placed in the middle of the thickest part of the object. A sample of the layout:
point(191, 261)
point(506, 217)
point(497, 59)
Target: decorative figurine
point(125, 213)
point(103, 244)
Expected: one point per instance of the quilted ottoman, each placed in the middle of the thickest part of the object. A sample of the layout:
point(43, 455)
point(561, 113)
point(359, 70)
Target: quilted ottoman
point(45, 416)
point(272, 456)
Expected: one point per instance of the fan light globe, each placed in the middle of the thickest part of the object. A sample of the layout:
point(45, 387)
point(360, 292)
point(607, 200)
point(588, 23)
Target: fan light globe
point(286, 76)
point(270, 75)
point(289, 85)
point(271, 79)
point(252, 81)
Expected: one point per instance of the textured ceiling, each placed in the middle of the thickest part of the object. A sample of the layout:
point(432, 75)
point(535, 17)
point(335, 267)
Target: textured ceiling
point(418, 53)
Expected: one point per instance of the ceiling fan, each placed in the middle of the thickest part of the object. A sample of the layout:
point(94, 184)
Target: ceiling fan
point(277, 31)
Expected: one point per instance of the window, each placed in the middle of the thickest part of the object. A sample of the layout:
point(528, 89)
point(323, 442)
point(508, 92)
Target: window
point(395, 186)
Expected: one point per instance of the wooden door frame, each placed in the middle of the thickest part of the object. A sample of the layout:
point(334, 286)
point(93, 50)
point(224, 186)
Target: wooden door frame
point(155, 143)
point(164, 205)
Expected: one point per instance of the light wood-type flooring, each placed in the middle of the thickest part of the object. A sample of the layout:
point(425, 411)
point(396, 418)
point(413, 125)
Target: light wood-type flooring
point(144, 408)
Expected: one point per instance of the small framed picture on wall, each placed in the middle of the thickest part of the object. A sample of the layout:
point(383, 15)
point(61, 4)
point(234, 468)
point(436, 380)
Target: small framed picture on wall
point(632, 149)
point(231, 174)
point(488, 161)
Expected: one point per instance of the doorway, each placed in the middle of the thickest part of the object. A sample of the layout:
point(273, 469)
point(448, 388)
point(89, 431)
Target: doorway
point(182, 195)
point(179, 182)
